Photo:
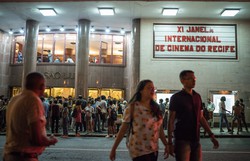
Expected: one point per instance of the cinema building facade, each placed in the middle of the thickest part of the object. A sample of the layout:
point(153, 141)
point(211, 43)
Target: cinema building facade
point(96, 63)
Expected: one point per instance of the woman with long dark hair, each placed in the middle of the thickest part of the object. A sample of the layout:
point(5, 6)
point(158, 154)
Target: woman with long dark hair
point(144, 118)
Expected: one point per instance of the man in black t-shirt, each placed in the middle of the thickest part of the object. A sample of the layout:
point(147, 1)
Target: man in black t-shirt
point(185, 118)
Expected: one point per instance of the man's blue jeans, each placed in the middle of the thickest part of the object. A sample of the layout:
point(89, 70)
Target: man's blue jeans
point(187, 151)
point(223, 117)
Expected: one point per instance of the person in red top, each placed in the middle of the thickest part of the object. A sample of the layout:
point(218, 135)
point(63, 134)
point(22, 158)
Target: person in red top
point(78, 116)
point(26, 136)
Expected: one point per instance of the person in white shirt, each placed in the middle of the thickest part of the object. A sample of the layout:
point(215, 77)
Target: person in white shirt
point(50, 57)
point(88, 117)
point(223, 115)
point(57, 60)
point(69, 60)
point(103, 105)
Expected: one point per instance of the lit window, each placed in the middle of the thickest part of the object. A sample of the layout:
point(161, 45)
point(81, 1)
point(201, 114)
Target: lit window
point(106, 49)
point(19, 46)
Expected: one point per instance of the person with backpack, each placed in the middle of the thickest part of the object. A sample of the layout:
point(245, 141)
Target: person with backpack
point(112, 116)
point(143, 120)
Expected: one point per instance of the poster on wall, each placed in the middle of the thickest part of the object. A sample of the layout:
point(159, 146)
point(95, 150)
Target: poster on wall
point(195, 41)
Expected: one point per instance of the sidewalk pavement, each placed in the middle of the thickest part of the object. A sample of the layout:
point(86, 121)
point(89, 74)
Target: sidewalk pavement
point(216, 132)
point(226, 134)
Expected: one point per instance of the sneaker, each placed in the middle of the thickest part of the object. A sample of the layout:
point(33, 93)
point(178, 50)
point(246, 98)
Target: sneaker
point(107, 136)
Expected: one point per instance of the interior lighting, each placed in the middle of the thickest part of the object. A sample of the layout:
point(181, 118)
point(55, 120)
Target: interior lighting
point(230, 12)
point(62, 29)
point(11, 32)
point(47, 11)
point(107, 30)
point(106, 11)
point(47, 29)
point(170, 11)
point(21, 31)
point(122, 31)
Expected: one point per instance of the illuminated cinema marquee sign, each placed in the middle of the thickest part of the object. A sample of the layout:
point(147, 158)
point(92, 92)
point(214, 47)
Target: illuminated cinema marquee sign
point(195, 41)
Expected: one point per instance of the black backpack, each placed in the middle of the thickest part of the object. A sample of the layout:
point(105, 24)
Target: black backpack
point(113, 114)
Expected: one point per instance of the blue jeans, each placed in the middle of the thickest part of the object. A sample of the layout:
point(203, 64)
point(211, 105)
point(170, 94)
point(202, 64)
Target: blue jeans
point(223, 117)
point(187, 151)
point(97, 123)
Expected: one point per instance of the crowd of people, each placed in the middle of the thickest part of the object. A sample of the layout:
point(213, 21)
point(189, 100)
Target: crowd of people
point(237, 114)
point(100, 114)
point(83, 115)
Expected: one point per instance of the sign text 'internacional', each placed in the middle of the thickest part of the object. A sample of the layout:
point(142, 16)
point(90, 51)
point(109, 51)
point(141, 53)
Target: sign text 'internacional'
point(195, 41)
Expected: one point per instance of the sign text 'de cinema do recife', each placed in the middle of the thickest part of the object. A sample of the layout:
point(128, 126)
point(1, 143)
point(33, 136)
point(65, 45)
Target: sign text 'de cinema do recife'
point(195, 41)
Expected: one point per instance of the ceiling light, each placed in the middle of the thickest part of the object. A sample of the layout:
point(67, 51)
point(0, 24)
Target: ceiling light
point(21, 31)
point(47, 11)
point(62, 29)
point(47, 29)
point(11, 32)
point(122, 31)
point(169, 11)
point(230, 12)
point(92, 29)
point(106, 11)
point(107, 30)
